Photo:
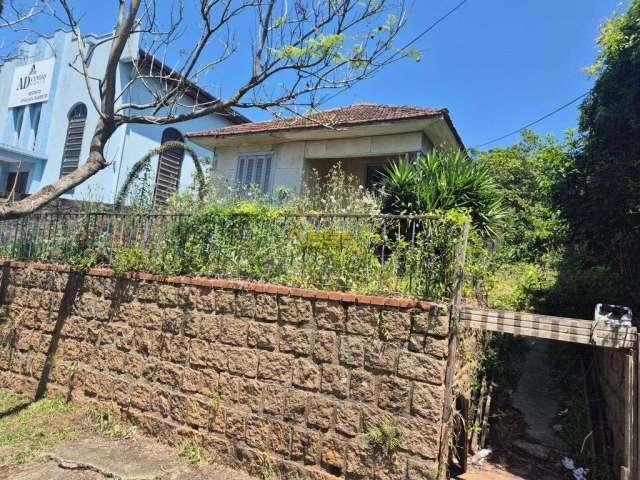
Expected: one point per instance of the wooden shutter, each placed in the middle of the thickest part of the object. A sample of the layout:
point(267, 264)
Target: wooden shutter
point(73, 141)
point(254, 170)
point(169, 167)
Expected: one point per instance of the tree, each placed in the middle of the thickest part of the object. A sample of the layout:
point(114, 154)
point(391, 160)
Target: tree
point(13, 12)
point(601, 195)
point(526, 174)
point(302, 50)
point(14, 16)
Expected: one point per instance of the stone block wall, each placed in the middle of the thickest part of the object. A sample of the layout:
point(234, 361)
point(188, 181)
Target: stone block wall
point(257, 373)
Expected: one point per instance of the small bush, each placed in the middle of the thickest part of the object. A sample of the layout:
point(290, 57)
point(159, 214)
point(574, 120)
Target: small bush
point(443, 181)
point(195, 454)
point(108, 425)
point(384, 438)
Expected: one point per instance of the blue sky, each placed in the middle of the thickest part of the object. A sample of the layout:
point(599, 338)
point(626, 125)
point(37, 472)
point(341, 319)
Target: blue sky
point(495, 64)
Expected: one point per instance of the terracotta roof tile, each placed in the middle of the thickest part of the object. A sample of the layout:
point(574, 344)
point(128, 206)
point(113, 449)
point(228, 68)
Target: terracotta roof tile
point(356, 114)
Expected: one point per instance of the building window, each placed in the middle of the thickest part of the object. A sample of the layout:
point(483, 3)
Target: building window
point(16, 186)
point(169, 166)
point(73, 142)
point(255, 170)
point(36, 109)
point(18, 116)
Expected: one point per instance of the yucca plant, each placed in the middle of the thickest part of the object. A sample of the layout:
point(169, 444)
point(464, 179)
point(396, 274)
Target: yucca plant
point(441, 181)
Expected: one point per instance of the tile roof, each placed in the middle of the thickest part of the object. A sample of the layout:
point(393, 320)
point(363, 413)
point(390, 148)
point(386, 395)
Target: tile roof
point(357, 114)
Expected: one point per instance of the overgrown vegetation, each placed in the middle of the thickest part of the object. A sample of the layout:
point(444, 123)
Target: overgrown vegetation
point(108, 424)
point(247, 234)
point(384, 439)
point(196, 454)
point(443, 181)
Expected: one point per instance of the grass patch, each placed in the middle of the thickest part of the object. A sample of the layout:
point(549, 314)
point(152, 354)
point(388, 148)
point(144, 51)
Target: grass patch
point(27, 428)
point(195, 454)
point(108, 425)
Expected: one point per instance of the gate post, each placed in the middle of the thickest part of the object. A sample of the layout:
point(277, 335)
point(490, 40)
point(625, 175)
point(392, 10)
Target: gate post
point(631, 469)
point(454, 320)
point(635, 407)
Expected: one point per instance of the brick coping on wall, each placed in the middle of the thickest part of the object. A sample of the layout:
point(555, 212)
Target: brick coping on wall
point(243, 285)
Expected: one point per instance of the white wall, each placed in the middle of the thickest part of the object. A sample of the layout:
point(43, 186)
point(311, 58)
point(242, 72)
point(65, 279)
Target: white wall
point(289, 162)
point(290, 156)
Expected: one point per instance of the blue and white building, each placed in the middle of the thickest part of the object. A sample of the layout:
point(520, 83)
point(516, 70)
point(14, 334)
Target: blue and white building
point(47, 120)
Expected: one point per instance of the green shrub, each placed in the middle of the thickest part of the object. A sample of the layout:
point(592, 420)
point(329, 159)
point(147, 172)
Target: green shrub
point(442, 181)
point(129, 259)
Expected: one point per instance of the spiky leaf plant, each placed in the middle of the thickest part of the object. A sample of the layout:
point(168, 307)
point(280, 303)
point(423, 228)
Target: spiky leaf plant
point(441, 181)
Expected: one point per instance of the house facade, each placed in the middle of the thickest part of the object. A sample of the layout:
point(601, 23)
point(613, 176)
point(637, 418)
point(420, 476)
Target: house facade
point(47, 120)
point(364, 138)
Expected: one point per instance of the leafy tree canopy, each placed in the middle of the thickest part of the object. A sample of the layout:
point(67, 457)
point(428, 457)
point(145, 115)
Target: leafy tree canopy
point(601, 194)
point(526, 174)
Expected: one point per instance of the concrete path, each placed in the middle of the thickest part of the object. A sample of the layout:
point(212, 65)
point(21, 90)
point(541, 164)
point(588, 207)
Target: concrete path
point(535, 397)
point(100, 458)
point(530, 450)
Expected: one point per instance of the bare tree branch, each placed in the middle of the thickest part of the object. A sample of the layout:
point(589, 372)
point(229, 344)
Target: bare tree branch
point(297, 51)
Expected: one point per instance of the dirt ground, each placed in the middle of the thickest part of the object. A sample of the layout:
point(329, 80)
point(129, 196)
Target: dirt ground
point(98, 458)
point(52, 440)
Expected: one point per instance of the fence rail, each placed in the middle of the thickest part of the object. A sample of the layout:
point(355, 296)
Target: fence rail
point(554, 328)
point(384, 254)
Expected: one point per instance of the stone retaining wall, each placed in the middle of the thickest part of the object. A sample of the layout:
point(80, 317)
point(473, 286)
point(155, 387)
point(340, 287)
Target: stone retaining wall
point(257, 373)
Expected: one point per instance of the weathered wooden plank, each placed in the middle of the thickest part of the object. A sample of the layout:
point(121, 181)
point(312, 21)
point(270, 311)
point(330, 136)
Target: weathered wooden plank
point(625, 334)
point(578, 326)
point(547, 326)
point(532, 317)
point(603, 339)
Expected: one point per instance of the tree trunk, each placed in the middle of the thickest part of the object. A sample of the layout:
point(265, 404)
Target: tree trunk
point(96, 162)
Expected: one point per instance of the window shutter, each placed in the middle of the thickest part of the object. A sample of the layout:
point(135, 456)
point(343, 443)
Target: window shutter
point(169, 168)
point(254, 170)
point(73, 141)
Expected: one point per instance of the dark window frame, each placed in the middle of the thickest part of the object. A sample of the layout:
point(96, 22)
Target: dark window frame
point(169, 168)
point(77, 120)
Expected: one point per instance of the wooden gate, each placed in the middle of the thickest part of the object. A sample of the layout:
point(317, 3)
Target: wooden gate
point(624, 338)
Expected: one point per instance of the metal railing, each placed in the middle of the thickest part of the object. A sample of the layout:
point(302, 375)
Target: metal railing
point(382, 254)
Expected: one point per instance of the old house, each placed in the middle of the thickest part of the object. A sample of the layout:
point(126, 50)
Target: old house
point(363, 137)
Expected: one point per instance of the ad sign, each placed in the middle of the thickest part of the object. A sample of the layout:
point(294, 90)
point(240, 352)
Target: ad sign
point(31, 83)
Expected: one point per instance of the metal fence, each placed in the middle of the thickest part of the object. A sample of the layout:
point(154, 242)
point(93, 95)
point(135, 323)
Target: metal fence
point(385, 254)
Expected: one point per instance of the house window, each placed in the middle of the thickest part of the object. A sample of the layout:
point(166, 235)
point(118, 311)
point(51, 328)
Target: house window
point(73, 142)
point(255, 170)
point(169, 166)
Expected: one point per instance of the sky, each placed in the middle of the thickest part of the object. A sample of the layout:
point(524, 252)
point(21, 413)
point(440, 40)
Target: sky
point(495, 64)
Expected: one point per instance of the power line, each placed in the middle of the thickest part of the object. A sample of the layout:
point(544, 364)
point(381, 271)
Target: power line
point(434, 24)
point(418, 37)
point(531, 124)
